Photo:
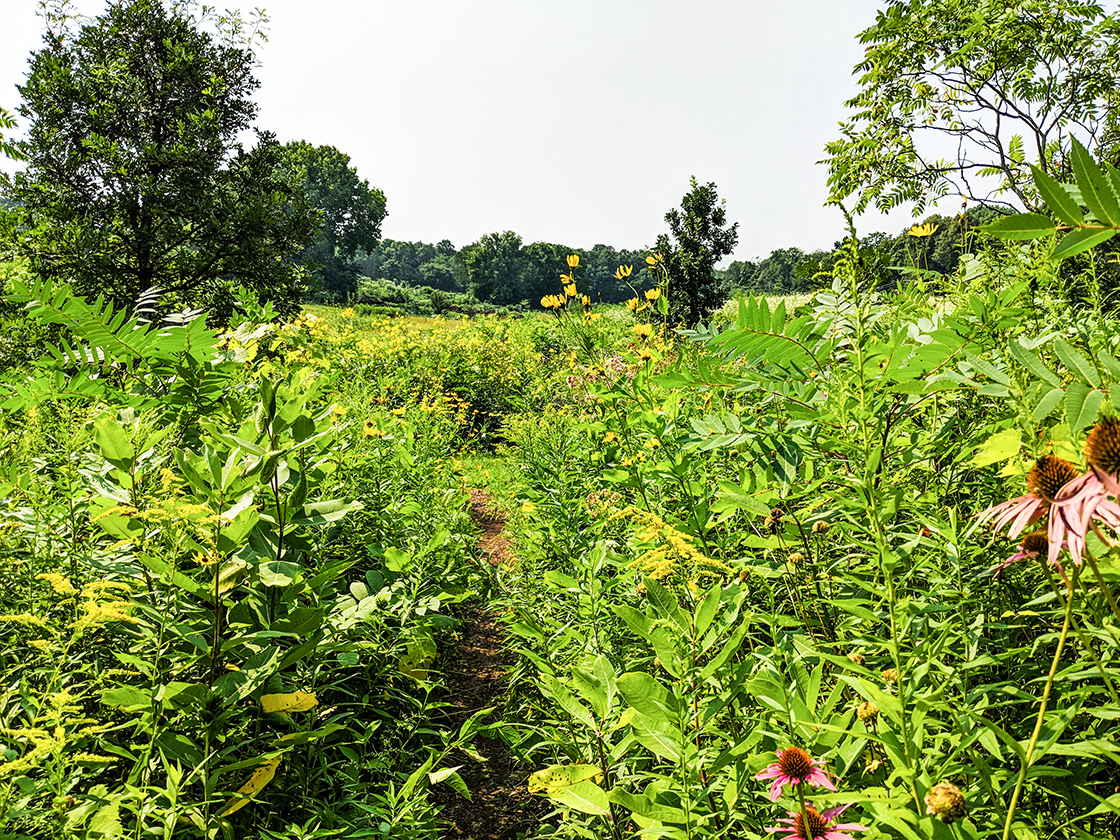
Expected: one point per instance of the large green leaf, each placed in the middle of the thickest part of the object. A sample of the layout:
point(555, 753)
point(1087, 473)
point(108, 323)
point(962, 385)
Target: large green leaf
point(114, 444)
point(1096, 188)
point(1079, 241)
point(1021, 226)
point(1057, 198)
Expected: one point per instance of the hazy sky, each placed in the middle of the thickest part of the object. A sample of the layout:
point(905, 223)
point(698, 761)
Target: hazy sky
point(575, 122)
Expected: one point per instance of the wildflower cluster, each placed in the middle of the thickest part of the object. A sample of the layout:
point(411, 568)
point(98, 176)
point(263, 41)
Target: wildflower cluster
point(797, 768)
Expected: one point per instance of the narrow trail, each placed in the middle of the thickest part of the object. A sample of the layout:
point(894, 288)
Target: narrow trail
point(476, 679)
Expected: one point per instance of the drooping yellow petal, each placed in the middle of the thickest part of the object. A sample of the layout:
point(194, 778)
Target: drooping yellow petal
point(570, 290)
point(653, 294)
point(923, 230)
point(573, 260)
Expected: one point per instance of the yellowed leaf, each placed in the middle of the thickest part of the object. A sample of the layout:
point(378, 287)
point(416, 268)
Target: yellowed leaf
point(262, 775)
point(297, 701)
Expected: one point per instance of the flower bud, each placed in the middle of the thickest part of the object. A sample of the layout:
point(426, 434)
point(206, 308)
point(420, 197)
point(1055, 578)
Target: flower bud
point(946, 802)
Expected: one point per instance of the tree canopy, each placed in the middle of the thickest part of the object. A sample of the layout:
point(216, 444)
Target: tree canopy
point(136, 179)
point(350, 211)
point(1004, 84)
point(700, 238)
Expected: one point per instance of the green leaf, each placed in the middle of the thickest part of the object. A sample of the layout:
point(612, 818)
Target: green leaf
point(1096, 188)
point(1082, 406)
point(278, 572)
point(1077, 364)
point(1032, 363)
point(452, 777)
point(1047, 404)
point(999, 447)
point(1078, 241)
point(661, 739)
point(127, 698)
point(585, 797)
point(1057, 198)
point(648, 696)
point(114, 444)
point(1021, 226)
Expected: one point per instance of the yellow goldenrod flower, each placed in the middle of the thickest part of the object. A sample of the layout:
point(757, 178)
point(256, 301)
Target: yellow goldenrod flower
point(644, 330)
point(653, 294)
point(570, 290)
point(923, 230)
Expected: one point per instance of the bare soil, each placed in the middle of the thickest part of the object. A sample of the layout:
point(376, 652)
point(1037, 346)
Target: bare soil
point(502, 808)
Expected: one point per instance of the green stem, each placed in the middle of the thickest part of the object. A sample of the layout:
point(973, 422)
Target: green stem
point(1042, 707)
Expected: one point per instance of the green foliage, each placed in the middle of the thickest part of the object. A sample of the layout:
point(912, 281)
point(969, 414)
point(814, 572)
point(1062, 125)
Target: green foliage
point(351, 213)
point(136, 178)
point(699, 240)
point(1008, 84)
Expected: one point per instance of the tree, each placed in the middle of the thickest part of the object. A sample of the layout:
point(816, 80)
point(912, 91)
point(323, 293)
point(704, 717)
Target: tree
point(135, 178)
point(1007, 82)
point(699, 240)
point(350, 210)
point(494, 267)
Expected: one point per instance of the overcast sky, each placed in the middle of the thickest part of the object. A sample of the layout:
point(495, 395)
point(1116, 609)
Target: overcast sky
point(575, 122)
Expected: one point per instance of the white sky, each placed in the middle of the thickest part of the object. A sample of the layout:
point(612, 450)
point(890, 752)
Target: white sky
point(576, 122)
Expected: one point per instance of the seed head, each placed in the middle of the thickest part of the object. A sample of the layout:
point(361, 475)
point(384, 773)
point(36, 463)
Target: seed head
point(890, 675)
point(1102, 448)
point(821, 527)
point(857, 658)
point(946, 802)
point(867, 711)
point(1048, 476)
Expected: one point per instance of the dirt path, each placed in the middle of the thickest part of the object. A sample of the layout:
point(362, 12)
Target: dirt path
point(476, 679)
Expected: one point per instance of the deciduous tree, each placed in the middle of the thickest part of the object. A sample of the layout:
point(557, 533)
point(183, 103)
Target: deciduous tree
point(700, 238)
point(135, 175)
point(1005, 83)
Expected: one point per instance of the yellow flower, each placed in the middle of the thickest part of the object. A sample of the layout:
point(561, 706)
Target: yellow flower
point(644, 330)
point(653, 443)
point(398, 411)
point(570, 290)
point(611, 437)
point(653, 294)
point(573, 260)
point(923, 230)
point(594, 316)
point(337, 409)
point(552, 302)
point(644, 354)
point(623, 271)
point(585, 300)
point(654, 260)
point(632, 304)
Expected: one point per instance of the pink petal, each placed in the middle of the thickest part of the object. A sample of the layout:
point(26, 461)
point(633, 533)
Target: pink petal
point(818, 777)
point(776, 788)
point(1031, 512)
point(770, 772)
point(830, 814)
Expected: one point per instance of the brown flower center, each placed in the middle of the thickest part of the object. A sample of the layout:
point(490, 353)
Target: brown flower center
point(809, 824)
point(795, 763)
point(1035, 543)
point(1048, 476)
point(1102, 448)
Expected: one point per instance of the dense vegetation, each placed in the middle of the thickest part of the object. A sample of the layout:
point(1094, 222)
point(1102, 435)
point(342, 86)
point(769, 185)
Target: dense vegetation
point(830, 565)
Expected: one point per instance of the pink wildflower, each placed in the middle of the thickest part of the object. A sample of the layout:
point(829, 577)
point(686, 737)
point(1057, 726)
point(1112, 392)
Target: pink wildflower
point(1033, 544)
point(1044, 482)
point(795, 766)
point(815, 825)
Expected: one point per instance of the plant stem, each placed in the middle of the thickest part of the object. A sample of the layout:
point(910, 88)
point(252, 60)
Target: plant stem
point(1042, 706)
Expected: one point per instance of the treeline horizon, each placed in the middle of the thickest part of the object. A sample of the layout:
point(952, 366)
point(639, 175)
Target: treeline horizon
point(500, 270)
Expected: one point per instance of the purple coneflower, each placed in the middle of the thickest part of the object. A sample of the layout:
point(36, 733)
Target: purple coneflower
point(1033, 544)
point(815, 825)
point(1046, 481)
point(1086, 497)
point(795, 766)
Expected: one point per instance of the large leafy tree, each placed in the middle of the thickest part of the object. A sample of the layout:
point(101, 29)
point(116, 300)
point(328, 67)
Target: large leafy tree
point(1005, 83)
point(698, 239)
point(494, 268)
point(351, 213)
point(136, 179)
